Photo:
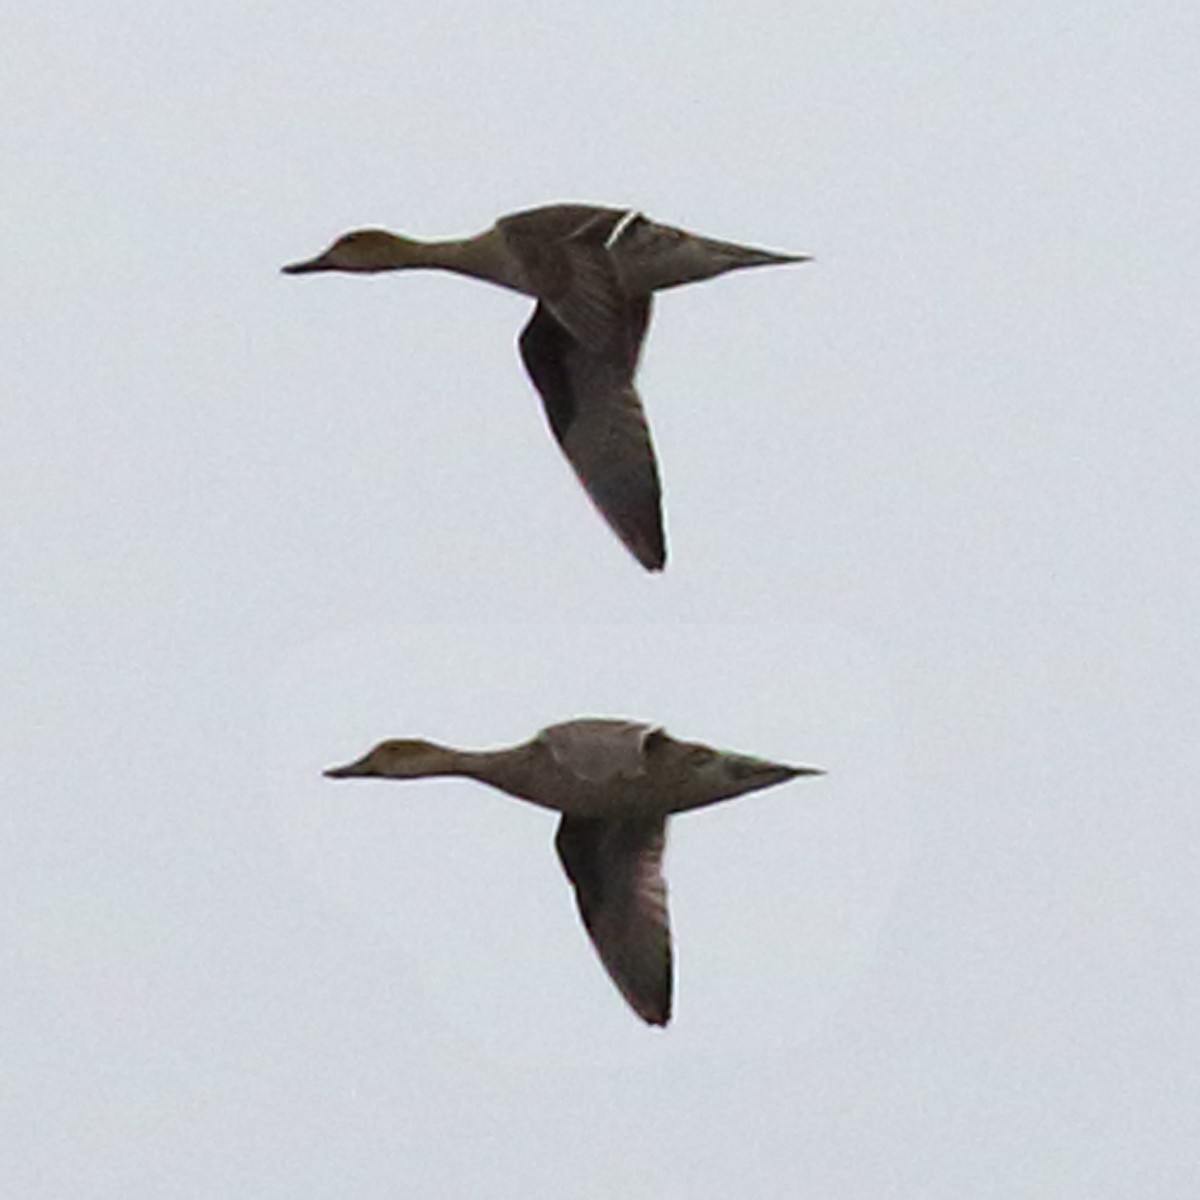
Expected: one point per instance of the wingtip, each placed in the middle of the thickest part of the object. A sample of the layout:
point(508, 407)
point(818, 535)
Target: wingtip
point(651, 556)
point(650, 552)
point(657, 1015)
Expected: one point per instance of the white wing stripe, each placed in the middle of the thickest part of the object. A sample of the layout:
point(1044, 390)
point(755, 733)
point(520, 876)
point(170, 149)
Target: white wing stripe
point(619, 228)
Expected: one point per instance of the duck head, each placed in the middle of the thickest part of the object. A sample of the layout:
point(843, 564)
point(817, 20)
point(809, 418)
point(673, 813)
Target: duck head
point(360, 250)
point(406, 758)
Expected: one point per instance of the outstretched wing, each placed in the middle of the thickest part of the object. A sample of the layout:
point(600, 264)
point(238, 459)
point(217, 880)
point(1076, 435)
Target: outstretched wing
point(615, 867)
point(597, 418)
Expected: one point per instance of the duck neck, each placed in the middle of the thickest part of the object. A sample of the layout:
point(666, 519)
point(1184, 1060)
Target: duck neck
point(483, 257)
point(501, 769)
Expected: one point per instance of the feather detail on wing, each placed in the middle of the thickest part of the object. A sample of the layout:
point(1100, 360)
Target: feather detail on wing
point(596, 416)
point(566, 261)
point(615, 867)
point(601, 750)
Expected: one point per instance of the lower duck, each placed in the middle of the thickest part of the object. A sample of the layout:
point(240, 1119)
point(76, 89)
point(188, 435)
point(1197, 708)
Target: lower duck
point(616, 782)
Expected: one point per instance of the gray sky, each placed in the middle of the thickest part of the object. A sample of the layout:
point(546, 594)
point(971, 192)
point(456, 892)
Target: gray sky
point(931, 507)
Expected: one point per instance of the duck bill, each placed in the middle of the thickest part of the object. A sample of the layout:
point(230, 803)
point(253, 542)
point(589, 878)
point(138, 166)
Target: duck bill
point(349, 771)
point(309, 265)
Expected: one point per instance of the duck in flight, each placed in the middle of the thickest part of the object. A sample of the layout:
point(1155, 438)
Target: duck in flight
point(592, 272)
point(615, 782)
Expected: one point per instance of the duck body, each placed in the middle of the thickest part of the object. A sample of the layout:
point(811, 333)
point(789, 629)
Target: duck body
point(592, 271)
point(608, 769)
point(645, 256)
point(616, 782)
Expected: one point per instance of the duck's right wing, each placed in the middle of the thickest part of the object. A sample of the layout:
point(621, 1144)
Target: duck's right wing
point(615, 867)
point(597, 418)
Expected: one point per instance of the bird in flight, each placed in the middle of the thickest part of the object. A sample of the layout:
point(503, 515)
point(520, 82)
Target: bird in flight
point(592, 271)
point(615, 782)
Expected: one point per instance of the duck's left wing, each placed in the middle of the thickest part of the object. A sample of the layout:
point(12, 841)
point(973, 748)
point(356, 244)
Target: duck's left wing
point(596, 417)
point(564, 253)
point(615, 867)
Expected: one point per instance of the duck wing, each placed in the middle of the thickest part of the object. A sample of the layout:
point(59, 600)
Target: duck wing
point(597, 419)
point(564, 252)
point(615, 867)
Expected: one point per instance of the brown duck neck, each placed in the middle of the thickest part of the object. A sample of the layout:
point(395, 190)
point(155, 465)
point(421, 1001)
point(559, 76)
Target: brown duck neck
point(483, 257)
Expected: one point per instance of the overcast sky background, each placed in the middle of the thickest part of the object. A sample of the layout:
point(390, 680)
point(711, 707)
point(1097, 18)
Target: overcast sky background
point(931, 505)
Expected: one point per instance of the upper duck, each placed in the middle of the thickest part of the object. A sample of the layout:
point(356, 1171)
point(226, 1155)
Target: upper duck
point(615, 782)
point(592, 271)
